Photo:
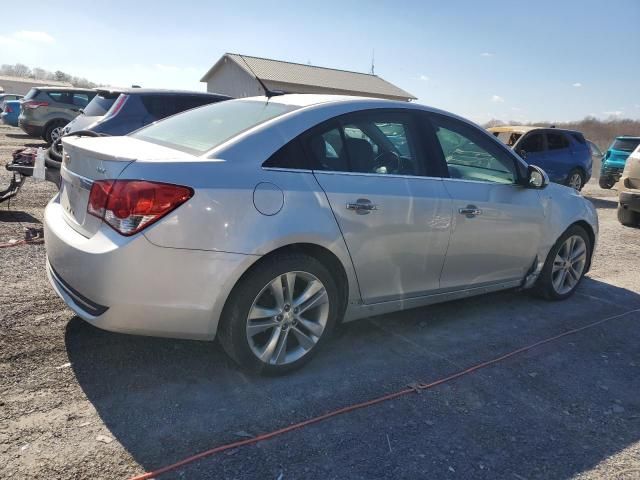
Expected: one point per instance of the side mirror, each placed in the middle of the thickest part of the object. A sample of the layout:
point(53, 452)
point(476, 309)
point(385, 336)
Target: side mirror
point(536, 177)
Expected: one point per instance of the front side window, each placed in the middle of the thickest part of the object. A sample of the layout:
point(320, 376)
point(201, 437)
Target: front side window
point(470, 155)
point(198, 131)
point(557, 141)
point(533, 143)
point(375, 142)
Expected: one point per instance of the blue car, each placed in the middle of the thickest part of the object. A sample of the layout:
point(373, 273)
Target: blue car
point(614, 160)
point(563, 154)
point(11, 112)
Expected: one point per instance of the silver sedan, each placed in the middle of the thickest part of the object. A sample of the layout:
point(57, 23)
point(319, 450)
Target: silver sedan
point(265, 222)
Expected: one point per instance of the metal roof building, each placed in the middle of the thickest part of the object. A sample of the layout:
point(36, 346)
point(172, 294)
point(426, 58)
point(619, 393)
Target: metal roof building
point(21, 85)
point(236, 75)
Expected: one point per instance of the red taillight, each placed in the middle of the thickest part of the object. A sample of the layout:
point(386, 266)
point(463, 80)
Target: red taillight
point(8, 109)
point(129, 206)
point(32, 104)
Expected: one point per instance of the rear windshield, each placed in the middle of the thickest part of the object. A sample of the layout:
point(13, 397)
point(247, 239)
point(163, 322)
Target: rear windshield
point(626, 144)
point(100, 104)
point(198, 131)
point(32, 94)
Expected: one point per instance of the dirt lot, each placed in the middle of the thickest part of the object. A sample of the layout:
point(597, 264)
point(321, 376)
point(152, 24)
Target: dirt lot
point(77, 402)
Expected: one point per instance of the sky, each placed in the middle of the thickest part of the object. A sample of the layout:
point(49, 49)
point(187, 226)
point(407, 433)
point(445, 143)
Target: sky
point(510, 60)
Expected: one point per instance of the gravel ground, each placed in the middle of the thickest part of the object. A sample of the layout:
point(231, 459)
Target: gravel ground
point(77, 402)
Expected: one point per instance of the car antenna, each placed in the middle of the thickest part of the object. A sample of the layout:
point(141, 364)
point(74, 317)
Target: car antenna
point(267, 93)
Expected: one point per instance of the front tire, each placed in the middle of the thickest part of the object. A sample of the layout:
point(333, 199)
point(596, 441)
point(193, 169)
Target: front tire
point(280, 314)
point(566, 265)
point(606, 182)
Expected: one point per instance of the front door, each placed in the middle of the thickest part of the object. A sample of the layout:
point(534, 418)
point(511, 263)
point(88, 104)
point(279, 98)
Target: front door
point(497, 224)
point(395, 218)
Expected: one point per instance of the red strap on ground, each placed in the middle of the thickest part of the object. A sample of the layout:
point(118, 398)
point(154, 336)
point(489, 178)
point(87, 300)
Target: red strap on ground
point(413, 389)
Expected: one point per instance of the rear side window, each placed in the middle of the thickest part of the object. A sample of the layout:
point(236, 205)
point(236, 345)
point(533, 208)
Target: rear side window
point(61, 97)
point(290, 156)
point(533, 143)
point(160, 106)
point(557, 141)
point(579, 137)
point(202, 129)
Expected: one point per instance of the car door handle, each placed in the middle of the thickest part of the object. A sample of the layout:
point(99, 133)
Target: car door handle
point(470, 211)
point(362, 205)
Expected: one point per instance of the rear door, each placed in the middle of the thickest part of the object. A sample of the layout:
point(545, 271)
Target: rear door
point(497, 223)
point(559, 156)
point(393, 211)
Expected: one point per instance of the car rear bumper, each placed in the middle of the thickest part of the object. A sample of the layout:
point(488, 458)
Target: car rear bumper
point(129, 285)
point(29, 129)
point(630, 200)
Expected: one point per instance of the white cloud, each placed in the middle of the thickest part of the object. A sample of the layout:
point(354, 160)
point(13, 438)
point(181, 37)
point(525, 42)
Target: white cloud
point(497, 98)
point(30, 36)
point(487, 54)
point(166, 68)
point(25, 38)
point(516, 109)
point(577, 85)
point(613, 113)
point(424, 78)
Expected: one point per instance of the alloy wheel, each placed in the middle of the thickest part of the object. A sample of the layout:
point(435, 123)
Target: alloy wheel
point(575, 181)
point(287, 318)
point(56, 133)
point(569, 264)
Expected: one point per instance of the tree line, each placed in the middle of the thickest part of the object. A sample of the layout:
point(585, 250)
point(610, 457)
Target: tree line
point(600, 132)
point(23, 71)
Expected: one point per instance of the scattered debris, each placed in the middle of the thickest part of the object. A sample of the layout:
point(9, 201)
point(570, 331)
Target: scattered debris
point(389, 443)
point(244, 434)
point(65, 365)
point(104, 439)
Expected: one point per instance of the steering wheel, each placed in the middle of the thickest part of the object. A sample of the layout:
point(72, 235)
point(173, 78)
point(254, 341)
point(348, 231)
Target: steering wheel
point(390, 161)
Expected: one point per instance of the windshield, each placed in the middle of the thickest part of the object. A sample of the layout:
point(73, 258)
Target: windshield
point(198, 131)
point(100, 104)
point(626, 144)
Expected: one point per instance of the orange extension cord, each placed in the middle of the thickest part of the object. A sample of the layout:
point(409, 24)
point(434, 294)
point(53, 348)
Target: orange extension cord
point(413, 389)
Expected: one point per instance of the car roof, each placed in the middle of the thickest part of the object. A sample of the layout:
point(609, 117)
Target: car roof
point(64, 89)
point(158, 91)
point(513, 128)
point(528, 128)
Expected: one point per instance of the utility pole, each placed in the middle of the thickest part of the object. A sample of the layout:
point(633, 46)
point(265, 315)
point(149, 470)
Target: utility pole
point(373, 59)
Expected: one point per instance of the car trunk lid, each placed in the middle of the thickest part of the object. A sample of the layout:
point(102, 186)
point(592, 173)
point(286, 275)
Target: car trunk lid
point(86, 160)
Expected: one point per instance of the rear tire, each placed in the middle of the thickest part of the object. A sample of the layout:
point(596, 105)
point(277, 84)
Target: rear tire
point(627, 217)
point(262, 327)
point(575, 179)
point(53, 131)
point(566, 265)
point(606, 182)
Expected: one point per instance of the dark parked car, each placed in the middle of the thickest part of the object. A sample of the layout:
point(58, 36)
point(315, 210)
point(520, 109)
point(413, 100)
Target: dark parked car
point(10, 113)
point(121, 111)
point(563, 154)
point(7, 97)
point(46, 110)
